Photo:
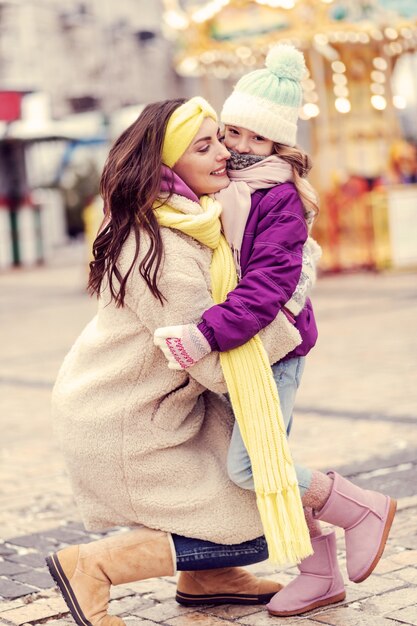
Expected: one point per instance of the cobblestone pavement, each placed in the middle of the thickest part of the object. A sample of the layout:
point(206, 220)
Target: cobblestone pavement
point(356, 411)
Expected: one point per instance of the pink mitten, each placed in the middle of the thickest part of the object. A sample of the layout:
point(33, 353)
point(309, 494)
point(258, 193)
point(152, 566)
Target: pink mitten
point(182, 345)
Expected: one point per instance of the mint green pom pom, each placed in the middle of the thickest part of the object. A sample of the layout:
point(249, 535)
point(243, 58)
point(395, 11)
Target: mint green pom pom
point(285, 61)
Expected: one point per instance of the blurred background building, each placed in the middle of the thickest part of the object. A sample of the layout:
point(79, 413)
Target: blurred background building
point(74, 74)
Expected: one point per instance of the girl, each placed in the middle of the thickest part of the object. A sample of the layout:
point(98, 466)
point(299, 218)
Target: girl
point(267, 211)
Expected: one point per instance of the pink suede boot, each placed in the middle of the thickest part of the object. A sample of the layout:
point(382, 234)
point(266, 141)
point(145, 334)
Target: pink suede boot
point(319, 583)
point(366, 517)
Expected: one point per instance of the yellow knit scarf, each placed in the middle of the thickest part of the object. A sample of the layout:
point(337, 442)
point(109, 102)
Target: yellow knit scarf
point(254, 398)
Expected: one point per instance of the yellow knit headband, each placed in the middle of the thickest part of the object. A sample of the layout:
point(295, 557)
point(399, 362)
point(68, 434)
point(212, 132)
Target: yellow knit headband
point(182, 127)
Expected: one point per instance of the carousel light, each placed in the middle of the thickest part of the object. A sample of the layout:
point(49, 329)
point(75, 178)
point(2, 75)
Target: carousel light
point(327, 1)
point(339, 79)
point(378, 89)
point(380, 64)
point(308, 84)
point(379, 102)
point(311, 96)
point(221, 71)
point(378, 77)
point(311, 110)
point(399, 102)
point(208, 57)
point(377, 35)
point(341, 91)
point(176, 20)
point(363, 38)
point(338, 67)
point(390, 33)
point(189, 67)
point(208, 11)
point(353, 37)
point(395, 47)
point(342, 105)
point(320, 39)
point(243, 52)
point(407, 33)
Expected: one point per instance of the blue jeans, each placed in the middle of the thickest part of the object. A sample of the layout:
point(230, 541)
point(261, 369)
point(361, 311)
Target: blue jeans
point(196, 554)
point(287, 375)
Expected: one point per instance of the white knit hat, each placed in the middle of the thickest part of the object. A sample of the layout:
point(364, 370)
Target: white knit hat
point(267, 101)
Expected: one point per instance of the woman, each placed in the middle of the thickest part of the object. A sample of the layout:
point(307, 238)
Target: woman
point(146, 445)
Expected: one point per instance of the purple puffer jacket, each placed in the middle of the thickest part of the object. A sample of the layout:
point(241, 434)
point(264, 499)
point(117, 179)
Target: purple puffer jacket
point(271, 261)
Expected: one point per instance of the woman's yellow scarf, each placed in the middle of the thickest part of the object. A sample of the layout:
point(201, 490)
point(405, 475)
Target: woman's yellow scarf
point(254, 398)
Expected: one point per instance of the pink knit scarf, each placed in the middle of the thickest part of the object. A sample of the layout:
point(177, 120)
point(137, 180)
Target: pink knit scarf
point(236, 198)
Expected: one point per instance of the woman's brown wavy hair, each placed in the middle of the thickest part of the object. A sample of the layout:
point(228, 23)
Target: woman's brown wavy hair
point(130, 184)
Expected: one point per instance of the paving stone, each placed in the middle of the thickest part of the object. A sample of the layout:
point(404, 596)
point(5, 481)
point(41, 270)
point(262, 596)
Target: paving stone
point(130, 605)
point(263, 618)
point(33, 559)
point(162, 612)
point(346, 616)
point(40, 610)
point(8, 568)
point(12, 604)
point(408, 557)
point(391, 601)
point(63, 535)
point(136, 621)
point(9, 589)
point(408, 574)
point(36, 578)
point(405, 616)
point(232, 611)
point(6, 550)
point(386, 566)
point(36, 541)
point(195, 618)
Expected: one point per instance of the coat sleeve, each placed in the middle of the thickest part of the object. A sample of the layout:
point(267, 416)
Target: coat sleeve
point(183, 284)
point(270, 278)
point(187, 295)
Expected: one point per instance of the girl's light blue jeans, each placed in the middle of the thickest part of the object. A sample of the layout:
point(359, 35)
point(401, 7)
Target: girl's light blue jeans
point(287, 375)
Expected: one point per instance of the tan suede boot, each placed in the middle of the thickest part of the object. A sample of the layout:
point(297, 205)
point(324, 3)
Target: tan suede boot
point(227, 585)
point(84, 573)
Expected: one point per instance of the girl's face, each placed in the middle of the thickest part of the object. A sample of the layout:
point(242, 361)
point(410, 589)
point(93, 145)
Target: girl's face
point(245, 141)
point(203, 165)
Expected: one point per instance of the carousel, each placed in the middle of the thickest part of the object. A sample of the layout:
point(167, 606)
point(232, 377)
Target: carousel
point(364, 166)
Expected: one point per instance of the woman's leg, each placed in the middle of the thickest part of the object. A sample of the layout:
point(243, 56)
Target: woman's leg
point(85, 573)
point(209, 572)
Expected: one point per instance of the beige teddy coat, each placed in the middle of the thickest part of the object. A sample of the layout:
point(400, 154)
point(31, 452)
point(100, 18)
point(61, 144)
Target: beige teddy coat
point(145, 444)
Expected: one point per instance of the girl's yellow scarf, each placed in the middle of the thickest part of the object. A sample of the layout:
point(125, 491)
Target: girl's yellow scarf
point(254, 398)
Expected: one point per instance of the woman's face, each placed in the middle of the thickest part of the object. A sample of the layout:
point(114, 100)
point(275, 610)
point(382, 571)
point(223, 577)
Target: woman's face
point(245, 141)
point(203, 165)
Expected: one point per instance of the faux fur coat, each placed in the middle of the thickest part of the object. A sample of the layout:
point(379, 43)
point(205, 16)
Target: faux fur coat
point(145, 444)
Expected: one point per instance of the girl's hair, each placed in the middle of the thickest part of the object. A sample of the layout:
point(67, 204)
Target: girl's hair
point(301, 165)
point(130, 184)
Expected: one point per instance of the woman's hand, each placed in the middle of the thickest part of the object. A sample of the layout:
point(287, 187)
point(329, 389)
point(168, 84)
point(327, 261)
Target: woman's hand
point(182, 345)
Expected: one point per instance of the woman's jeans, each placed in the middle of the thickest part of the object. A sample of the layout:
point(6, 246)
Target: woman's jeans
point(287, 375)
point(196, 554)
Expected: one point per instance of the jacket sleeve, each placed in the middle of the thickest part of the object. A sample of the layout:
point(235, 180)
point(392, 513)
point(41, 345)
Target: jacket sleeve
point(270, 278)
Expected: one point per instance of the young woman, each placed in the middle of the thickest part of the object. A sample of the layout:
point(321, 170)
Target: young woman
point(146, 447)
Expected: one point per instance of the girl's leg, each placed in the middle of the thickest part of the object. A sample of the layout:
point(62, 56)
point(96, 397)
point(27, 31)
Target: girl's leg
point(209, 574)
point(365, 515)
point(287, 375)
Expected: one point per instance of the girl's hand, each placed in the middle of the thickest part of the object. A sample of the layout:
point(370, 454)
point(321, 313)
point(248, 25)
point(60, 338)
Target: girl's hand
point(182, 345)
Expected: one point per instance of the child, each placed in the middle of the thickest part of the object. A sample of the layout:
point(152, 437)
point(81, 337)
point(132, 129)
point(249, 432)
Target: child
point(267, 213)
